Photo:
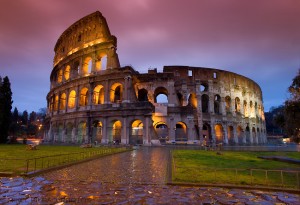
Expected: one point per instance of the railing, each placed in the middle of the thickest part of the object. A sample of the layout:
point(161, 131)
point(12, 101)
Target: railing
point(25, 166)
point(288, 179)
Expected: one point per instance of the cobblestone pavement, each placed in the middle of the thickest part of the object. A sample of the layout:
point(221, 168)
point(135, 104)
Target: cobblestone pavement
point(136, 177)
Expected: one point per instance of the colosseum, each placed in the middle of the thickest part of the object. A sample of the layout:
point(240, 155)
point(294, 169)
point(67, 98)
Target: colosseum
point(93, 99)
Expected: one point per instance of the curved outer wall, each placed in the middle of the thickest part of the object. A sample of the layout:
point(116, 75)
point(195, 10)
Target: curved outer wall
point(94, 100)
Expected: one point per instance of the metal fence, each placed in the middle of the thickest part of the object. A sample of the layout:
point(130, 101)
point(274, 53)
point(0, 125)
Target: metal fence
point(289, 179)
point(25, 166)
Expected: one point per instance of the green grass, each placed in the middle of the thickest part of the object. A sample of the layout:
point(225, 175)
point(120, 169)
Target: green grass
point(18, 159)
point(198, 166)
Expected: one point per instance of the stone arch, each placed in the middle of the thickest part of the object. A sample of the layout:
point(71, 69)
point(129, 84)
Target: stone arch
point(245, 109)
point(59, 75)
point(98, 95)
point(83, 100)
point(247, 133)
point(205, 103)
point(161, 95)
point(115, 132)
point(87, 65)
point(162, 131)
point(116, 93)
point(143, 95)
point(192, 100)
point(251, 109)
point(217, 102)
point(230, 135)
point(60, 133)
point(254, 137)
point(72, 99)
point(259, 140)
point(69, 129)
point(240, 134)
point(62, 101)
point(219, 133)
point(206, 132)
point(136, 132)
point(181, 131)
point(67, 72)
point(203, 87)
point(97, 131)
point(56, 99)
point(75, 69)
point(82, 133)
point(237, 105)
point(228, 104)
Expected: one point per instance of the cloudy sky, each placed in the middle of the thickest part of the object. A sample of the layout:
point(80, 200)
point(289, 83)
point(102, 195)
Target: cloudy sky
point(259, 39)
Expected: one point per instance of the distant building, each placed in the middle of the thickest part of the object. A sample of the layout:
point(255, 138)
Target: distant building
point(93, 99)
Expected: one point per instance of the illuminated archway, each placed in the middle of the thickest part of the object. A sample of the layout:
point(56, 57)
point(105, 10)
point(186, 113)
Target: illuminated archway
point(56, 99)
point(72, 99)
point(67, 72)
point(62, 101)
point(162, 131)
point(116, 132)
point(180, 132)
point(136, 134)
point(116, 93)
point(60, 76)
point(83, 97)
point(237, 105)
point(97, 132)
point(228, 104)
point(87, 65)
point(192, 100)
point(98, 95)
point(219, 133)
point(206, 132)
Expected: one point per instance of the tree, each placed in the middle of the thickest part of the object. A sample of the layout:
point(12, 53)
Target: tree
point(5, 108)
point(32, 117)
point(25, 118)
point(292, 110)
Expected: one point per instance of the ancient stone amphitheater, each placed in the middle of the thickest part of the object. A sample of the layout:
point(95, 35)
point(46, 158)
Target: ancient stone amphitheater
point(94, 100)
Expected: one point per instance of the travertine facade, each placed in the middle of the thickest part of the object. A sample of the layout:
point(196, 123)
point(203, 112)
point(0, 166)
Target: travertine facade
point(93, 99)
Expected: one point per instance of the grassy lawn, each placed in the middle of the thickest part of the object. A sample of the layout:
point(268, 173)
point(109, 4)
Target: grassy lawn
point(18, 159)
point(198, 166)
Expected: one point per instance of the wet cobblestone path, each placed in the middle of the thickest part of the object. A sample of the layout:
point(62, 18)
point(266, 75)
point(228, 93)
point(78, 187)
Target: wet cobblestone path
point(136, 177)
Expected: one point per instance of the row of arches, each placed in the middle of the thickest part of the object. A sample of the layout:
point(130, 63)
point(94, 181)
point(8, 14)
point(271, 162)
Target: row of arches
point(72, 133)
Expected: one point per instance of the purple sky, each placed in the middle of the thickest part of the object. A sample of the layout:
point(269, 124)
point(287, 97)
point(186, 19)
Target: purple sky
point(259, 39)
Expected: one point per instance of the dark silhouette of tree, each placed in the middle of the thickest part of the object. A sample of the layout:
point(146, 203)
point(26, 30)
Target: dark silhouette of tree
point(32, 117)
point(25, 118)
point(5, 108)
point(292, 110)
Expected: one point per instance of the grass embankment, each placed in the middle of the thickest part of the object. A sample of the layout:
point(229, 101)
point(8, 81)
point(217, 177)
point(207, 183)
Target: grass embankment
point(18, 159)
point(197, 166)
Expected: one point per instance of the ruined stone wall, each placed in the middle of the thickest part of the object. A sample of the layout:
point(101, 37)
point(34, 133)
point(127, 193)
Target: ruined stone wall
point(92, 98)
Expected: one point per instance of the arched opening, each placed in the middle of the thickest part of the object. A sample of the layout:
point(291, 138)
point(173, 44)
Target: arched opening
point(72, 99)
point(230, 135)
point(83, 97)
point(180, 132)
point(180, 99)
point(97, 132)
point(217, 101)
point(82, 133)
point(67, 72)
point(87, 66)
point(237, 105)
point(219, 133)
point(240, 135)
point(116, 132)
point(161, 95)
point(228, 104)
point(56, 103)
point(162, 131)
point(203, 87)
point(116, 93)
point(254, 137)
point(98, 95)
point(258, 136)
point(192, 100)
point(69, 129)
point(143, 95)
point(248, 135)
point(75, 69)
point(206, 132)
point(245, 109)
point(60, 133)
point(136, 135)
point(205, 103)
point(251, 109)
point(62, 101)
point(60, 76)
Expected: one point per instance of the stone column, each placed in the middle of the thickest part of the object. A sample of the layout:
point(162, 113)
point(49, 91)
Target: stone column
point(77, 97)
point(225, 134)
point(104, 131)
point(171, 127)
point(223, 106)
point(146, 132)
point(106, 93)
point(235, 137)
point(125, 131)
point(67, 99)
